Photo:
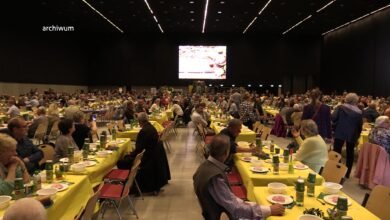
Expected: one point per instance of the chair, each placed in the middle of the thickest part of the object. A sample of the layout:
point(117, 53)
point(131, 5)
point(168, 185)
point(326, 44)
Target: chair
point(333, 172)
point(265, 133)
point(234, 177)
point(224, 216)
point(54, 132)
point(239, 191)
point(40, 133)
point(333, 155)
point(164, 138)
point(375, 201)
point(120, 175)
point(88, 212)
point(112, 193)
point(48, 153)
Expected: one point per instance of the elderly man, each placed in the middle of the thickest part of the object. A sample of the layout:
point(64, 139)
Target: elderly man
point(198, 116)
point(13, 111)
point(232, 131)
point(27, 151)
point(154, 172)
point(214, 193)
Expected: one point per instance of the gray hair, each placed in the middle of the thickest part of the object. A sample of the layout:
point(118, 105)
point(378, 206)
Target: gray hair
point(219, 146)
point(6, 143)
point(351, 98)
point(26, 208)
point(309, 128)
point(142, 118)
point(382, 122)
point(234, 123)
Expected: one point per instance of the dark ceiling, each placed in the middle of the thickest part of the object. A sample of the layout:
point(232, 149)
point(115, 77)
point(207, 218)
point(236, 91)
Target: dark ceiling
point(184, 16)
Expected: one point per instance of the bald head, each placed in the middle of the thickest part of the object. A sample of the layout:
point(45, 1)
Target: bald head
point(25, 209)
point(387, 112)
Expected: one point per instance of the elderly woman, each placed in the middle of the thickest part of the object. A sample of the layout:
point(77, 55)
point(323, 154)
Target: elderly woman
point(11, 166)
point(313, 151)
point(65, 140)
point(348, 121)
point(40, 119)
point(380, 134)
point(156, 106)
point(247, 115)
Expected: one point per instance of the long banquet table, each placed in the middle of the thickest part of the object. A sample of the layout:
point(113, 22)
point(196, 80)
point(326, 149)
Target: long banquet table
point(132, 134)
point(245, 135)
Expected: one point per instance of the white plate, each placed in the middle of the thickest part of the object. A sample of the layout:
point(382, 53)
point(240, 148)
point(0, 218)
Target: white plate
point(287, 199)
point(89, 163)
point(332, 199)
point(59, 186)
point(300, 166)
point(246, 159)
point(64, 160)
point(259, 170)
point(243, 144)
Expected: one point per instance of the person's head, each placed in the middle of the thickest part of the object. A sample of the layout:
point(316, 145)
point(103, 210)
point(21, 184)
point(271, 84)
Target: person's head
point(53, 109)
point(66, 126)
point(297, 107)
point(142, 118)
point(219, 147)
point(246, 96)
point(387, 112)
point(41, 111)
point(11, 102)
point(351, 98)
point(7, 148)
point(199, 108)
point(372, 105)
point(26, 209)
point(234, 127)
point(382, 122)
point(130, 104)
point(157, 101)
point(315, 95)
point(18, 127)
point(78, 117)
point(309, 128)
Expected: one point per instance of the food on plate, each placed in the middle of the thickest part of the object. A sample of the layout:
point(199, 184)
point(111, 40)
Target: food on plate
point(57, 186)
point(281, 199)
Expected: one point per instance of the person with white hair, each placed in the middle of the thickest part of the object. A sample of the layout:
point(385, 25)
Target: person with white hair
point(25, 209)
point(380, 134)
point(348, 121)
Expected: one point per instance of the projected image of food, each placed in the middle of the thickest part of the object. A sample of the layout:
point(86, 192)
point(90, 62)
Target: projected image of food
point(202, 62)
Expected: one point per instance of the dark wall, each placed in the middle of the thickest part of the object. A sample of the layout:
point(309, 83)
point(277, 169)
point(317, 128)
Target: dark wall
point(357, 57)
point(50, 58)
point(154, 61)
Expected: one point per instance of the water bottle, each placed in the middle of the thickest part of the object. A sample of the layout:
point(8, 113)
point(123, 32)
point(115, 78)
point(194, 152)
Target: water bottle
point(37, 180)
point(300, 191)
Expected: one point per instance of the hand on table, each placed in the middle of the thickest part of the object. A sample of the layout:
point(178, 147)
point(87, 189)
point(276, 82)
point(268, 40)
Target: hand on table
point(277, 209)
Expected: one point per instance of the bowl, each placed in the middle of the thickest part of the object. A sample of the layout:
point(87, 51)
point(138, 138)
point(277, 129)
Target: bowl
point(277, 188)
point(102, 154)
point(309, 217)
point(78, 167)
point(332, 188)
point(257, 163)
point(47, 192)
point(4, 201)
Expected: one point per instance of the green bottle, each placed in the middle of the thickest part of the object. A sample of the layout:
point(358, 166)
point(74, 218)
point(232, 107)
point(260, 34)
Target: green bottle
point(300, 191)
point(114, 134)
point(49, 171)
point(310, 182)
point(86, 149)
point(290, 163)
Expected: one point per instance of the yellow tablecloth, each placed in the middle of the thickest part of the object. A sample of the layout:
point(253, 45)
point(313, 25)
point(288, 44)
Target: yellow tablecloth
point(356, 211)
point(132, 134)
point(245, 135)
point(364, 137)
point(222, 120)
point(251, 179)
point(169, 113)
point(160, 118)
point(271, 111)
point(68, 203)
point(97, 172)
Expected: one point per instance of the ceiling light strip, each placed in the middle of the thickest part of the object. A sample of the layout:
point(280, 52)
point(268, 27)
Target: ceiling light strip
point(104, 17)
point(355, 20)
point(258, 14)
point(154, 16)
point(206, 8)
point(297, 24)
point(325, 6)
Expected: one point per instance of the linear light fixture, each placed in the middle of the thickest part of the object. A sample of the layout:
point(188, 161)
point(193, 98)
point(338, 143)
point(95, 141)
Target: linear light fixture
point(258, 14)
point(206, 8)
point(101, 15)
point(355, 20)
point(294, 26)
point(154, 16)
point(325, 6)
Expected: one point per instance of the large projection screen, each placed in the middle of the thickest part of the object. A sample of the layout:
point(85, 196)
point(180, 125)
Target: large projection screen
point(202, 62)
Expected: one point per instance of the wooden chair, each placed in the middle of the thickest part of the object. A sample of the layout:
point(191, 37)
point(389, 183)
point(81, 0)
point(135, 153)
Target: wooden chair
point(266, 131)
point(48, 153)
point(164, 138)
point(333, 155)
point(377, 200)
point(88, 212)
point(224, 216)
point(40, 133)
point(333, 172)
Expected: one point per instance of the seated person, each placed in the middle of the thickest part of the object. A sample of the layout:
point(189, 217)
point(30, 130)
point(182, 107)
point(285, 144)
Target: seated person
point(13, 110)
point(176, 109)
point(155, 106)
point(83, 129)
point(380, 134)
point(11, 166)
point(24, 209)
point(213, 190)
point(370, 113)
point(312, 151)
point(41, 118)
point(232, 131)
point(129, 113)
point(65, 140)
point(154, 161)
point(27, 151)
